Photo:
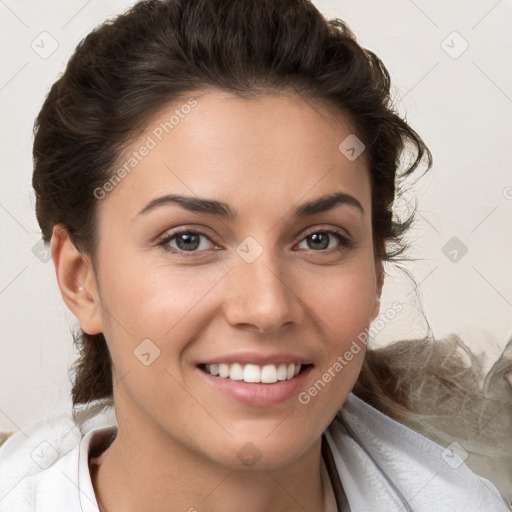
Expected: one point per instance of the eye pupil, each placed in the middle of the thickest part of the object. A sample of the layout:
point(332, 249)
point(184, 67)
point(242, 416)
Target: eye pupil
point(187, 241)
point(321, 238)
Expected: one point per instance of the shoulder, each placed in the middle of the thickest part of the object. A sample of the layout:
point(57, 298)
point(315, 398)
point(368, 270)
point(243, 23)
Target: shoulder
point(383, 464)
point(443, 390)
point(40, 462)
point(27, 456)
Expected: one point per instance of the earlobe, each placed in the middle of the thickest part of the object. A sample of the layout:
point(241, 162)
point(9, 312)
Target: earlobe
point(76, 280)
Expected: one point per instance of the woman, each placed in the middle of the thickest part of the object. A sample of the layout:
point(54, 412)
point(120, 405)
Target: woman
point(187, 165)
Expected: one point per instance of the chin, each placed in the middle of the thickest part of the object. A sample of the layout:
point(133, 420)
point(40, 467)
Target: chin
point(262, 452)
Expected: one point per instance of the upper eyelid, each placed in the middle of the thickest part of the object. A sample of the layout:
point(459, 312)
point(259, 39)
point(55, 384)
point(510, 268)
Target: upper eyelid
point(331, 229)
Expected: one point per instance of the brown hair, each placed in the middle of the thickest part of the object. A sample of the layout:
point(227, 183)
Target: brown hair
point(128, 68)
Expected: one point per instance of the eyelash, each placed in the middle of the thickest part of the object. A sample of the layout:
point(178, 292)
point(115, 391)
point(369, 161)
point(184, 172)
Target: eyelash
point(345, 242)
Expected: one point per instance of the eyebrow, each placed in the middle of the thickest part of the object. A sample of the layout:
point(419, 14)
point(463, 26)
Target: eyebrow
point(224, 210)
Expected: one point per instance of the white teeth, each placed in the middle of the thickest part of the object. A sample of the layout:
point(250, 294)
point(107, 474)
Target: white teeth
point(253, 373)
point(236, 372)
point(269, 374)
point(223, 370)
point(282, 372)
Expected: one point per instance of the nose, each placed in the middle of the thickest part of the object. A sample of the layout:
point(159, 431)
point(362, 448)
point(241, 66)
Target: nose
point(262, 296)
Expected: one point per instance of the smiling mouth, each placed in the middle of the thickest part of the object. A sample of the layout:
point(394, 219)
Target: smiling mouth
point(255, 374)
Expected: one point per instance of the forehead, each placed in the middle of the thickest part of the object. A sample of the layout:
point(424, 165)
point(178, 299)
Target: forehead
point(272, 149)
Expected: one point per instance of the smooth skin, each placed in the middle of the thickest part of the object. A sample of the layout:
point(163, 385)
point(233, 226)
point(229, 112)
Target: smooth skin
point(178, 437)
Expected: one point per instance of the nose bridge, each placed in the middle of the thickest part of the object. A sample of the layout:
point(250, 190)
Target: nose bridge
point(260, 290)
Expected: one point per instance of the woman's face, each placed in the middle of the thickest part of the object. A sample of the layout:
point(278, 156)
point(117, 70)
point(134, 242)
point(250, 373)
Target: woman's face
point(266, 286)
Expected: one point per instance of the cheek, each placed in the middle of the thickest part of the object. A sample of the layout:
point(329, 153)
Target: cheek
point(344, 300)
point(343, 304)
point(164, 304)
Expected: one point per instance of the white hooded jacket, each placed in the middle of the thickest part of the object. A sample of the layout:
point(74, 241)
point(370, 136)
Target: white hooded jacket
point(45, 467)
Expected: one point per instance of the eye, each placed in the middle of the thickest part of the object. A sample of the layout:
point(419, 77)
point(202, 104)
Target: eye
point(185, 240)
point(320, 240)
point(194, 242)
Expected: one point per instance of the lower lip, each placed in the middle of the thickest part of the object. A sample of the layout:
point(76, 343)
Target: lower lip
point(260, 395)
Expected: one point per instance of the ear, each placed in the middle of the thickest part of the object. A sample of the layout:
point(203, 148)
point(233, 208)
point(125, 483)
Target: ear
point(77, 281)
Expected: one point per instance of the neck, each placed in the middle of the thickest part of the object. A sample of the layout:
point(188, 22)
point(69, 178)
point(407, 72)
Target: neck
point(193, 483)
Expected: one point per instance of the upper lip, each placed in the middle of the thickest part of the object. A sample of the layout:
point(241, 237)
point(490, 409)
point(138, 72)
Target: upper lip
point(259, 359)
